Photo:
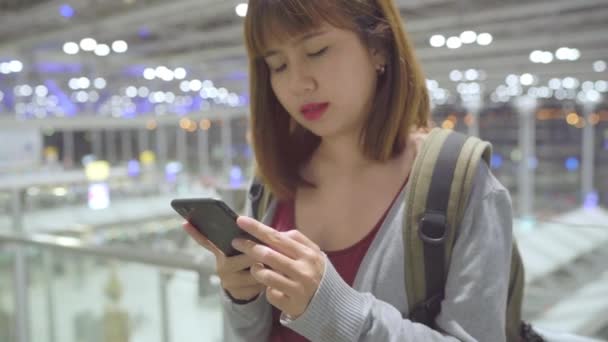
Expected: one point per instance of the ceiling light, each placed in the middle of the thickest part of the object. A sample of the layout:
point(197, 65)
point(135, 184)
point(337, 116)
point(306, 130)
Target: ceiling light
point(120, 46)
point(241, 9)
point(454, 43)
point(484, 39)
point(88, 44)
point(102, 50)
point(599, 66)
point(70, 48)
point(468, 37)
point(437, 41)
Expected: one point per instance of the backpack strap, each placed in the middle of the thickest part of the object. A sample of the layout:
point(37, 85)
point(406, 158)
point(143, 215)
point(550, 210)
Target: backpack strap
point(259, 198)
point(442, 177)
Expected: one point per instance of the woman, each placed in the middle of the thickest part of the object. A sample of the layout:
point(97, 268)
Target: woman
point(338, 109)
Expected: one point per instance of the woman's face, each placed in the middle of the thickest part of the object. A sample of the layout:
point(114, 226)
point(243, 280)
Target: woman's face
point(326, 79)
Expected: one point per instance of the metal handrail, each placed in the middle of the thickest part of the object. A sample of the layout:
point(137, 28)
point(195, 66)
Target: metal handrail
point(199, 263)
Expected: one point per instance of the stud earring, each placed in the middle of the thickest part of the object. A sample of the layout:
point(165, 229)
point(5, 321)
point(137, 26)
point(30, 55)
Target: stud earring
point(380, 69)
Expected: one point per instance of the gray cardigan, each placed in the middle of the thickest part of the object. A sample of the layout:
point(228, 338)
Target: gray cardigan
point(376, 308)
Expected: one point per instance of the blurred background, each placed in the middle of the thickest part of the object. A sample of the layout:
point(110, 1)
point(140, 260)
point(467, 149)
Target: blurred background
point(110, 109)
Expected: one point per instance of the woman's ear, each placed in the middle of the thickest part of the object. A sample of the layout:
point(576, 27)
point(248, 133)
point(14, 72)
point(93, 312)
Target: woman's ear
point(379, 57)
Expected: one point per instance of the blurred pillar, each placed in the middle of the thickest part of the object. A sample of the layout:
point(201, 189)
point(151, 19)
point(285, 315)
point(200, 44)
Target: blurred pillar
point(182, 155)
point(527, 138)
point(226, 147)
point(143, 140)
point(588, 153)
point(20, 281)
point(203, 152)
point(127, 146)
point(68, 149)
point(473, 106)
point(161, 145)
point(96, 144)
point(111, 146)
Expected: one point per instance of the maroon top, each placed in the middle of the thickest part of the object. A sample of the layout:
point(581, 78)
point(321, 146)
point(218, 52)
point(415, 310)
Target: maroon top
point(346, 262)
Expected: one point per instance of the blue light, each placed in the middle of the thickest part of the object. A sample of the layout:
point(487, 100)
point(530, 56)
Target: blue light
point(144, 33)
point(66, 11)
point(236, 176)
point(532, 163)
point(496, 161)
point(133, 168)
point(572, 164)
point(592, 200)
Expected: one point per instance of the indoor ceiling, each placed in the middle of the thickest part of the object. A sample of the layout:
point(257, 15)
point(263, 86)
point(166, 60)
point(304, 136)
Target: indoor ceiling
point(205, 38)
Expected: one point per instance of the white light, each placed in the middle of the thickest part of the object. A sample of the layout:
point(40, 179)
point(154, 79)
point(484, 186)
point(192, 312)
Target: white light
point(184, 86)
point(563, 54)
point(546, 57)
point(212, 92)
point(15, 66)
point(555, 83)
point(131, 91)
point(93, 96)
point(102, 50)
point(432, 84)
point(526, 79)
point(599, 66)
point(544, 92)
point(88, 44)
point(454, 43)
point(143, 92)
point(601, 86)
point(100, 83)
point(70, 48)
point(472, 74)
point(41, 91)
point(82, 96)
point(26, 90)
point(570, 83)
point(169, 97)
point(593, 95)
point(588, 85)
point(456, 76)
point(512, 80)
point(159, 96)
point(196, 85)
point(536, 56)
point(207, 84)
point(560, 94)
point(575, 54)
point(5, 68)
point(120, 46)
point(74, 84)
point(84, 83)
point(233, 100)
point(484, 39)
point(468, 37)
point(180, 73)
point(241, 9)
point(149, 74)
point(437, 41)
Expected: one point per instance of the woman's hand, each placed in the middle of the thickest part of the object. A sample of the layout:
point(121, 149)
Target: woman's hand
point(234, 275)
point(294, 265)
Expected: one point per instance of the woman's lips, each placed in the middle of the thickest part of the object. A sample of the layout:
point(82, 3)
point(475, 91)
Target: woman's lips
point(314, 111)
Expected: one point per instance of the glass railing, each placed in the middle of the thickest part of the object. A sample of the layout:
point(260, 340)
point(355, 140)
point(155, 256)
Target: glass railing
point(81, 293)
point(78, 293)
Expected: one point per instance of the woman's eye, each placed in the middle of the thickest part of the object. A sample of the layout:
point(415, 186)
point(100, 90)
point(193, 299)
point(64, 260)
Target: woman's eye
point(318, 53)
point(281, 68)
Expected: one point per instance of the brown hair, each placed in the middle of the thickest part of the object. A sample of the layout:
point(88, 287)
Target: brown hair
point(281, 145)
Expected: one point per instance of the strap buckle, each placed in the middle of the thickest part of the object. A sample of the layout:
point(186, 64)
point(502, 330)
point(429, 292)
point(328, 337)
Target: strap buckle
point(433, 227)
point(427, 311)
point(255, 193)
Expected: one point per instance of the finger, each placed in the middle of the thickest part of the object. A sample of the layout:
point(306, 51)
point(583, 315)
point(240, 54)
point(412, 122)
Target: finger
point(202, 240)
point(267, 256)
point(274, 279)
point(247, 293)
point(237, 263)
point(240, 280)
point(271, 237)
point(303, 239)
point(276, 298)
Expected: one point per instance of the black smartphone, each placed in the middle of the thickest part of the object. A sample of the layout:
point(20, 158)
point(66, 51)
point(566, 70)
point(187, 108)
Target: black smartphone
point(214, 219)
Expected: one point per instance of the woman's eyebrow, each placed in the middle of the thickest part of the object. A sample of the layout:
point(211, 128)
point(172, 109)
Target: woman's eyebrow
point(300, 40)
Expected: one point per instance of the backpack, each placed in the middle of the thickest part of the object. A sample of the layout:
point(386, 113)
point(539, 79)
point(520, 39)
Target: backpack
point(441, 182)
